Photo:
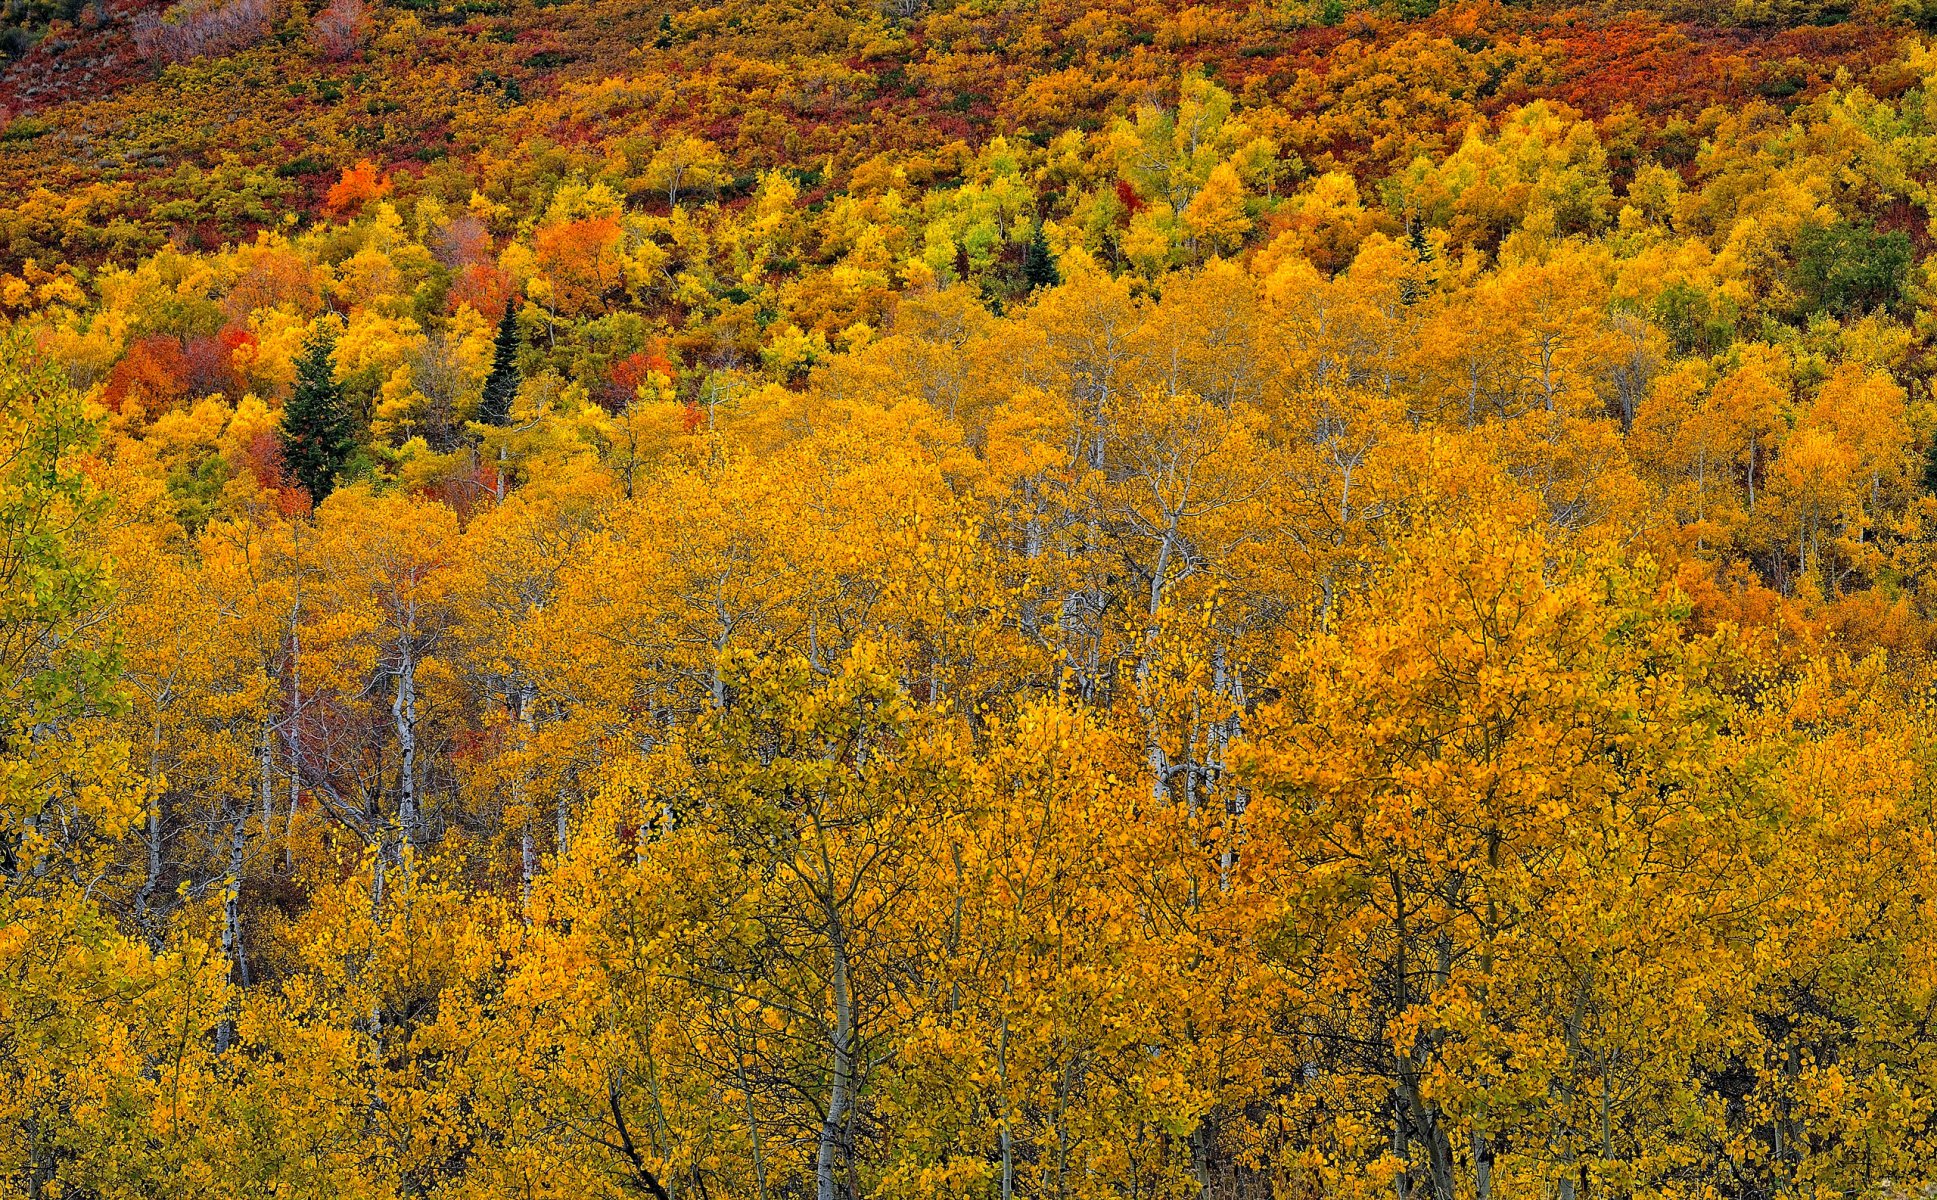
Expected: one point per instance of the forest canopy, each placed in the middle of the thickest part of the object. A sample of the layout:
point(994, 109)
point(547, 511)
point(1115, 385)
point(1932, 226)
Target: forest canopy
point(967, 600)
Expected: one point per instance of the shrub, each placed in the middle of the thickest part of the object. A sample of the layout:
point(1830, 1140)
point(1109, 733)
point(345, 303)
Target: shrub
point(1848, 270)
point(340, 29)
point(203, 29)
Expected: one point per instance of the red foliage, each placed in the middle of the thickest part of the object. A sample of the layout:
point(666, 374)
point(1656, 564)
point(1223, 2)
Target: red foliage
point(151, 375)
point(262, 459)
point(462, 242)
point(210, 363)
point(159, 371)
point(234, 338)
point(482, 286)
point(293, 502)
point(1127, 196)
point(625, 377)
point(580, 258)
point(273, 277)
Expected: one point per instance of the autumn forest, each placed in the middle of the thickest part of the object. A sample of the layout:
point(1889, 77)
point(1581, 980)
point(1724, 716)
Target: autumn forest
point(1002, 599)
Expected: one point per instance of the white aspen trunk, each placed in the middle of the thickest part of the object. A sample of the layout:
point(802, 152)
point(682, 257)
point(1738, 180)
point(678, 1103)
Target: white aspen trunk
point(377, 868)
point(289, 819)
point(232, 925)
point(527, 850)
point(148, 884)
point(293, 730)
point(841, 1092)
point(1157, 573)
point(268, 769)
point(153, 879)
point(527, 868)
point(1002, 1082)
point(404, 711)
point(753, 1131)
point(1401, 1150)
point(1159, 762)
point(1228, 685)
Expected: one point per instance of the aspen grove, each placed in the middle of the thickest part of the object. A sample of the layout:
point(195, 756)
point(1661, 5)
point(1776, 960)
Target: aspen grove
point(1319, 602)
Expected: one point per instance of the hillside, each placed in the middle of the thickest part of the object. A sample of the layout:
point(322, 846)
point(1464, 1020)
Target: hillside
point(967, 600)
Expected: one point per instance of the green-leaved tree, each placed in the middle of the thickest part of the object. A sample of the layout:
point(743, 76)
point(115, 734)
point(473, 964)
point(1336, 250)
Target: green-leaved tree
point(318, 432)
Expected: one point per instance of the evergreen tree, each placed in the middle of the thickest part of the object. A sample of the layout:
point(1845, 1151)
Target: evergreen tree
point(318, 432)
point(1411, 287)
point(501, 386)
point(1416, 240)
point(1038, 264)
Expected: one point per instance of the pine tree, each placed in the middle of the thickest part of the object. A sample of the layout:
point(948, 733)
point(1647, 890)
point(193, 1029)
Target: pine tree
point(1038, 264)
point(1411, 287)
point(501, 386)
point(1416, 240)
point(318, 432)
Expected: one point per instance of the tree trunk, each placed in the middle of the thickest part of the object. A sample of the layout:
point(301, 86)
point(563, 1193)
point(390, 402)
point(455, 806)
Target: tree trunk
point(527, 868)
point(404, 711)
point(143, 915)
point(1002, 1082)
point(840, 1095)
point(753, 1128)
point(232, 925)
point(268, 769)
point(1427, 1129)
point(527, 848)
point(292, 730)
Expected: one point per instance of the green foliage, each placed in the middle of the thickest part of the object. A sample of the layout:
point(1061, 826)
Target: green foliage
point(23, 129)
point(501, 386)
point(58, 670)
point(1694, 324)
point(1850, 269)
point(1038, 264)
point(318, 432)
point(51, 576)
point(196, 490)
point(24, 22)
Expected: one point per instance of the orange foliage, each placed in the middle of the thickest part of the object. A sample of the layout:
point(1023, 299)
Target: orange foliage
point(359, 185)
point(580, 260)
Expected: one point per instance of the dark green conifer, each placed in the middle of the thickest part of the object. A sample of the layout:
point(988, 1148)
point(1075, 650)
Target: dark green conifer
point(318, 432)
point(1038, 264)
point(501, 386)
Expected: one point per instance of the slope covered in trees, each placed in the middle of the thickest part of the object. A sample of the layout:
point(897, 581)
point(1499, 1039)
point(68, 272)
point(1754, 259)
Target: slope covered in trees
point(967, 601)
